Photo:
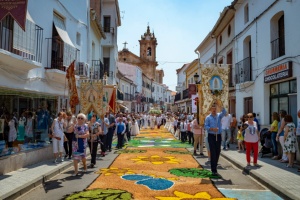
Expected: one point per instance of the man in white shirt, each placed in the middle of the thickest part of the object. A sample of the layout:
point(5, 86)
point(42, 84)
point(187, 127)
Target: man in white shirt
point(226, 133)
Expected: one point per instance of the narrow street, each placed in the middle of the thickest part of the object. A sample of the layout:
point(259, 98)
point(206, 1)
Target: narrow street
point(154, 165)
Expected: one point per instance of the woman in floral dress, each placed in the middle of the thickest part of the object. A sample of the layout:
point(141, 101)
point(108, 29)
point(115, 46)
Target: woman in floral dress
point(290, 139)
point(80, 142)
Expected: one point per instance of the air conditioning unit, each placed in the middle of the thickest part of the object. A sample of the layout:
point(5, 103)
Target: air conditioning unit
point(82, 69)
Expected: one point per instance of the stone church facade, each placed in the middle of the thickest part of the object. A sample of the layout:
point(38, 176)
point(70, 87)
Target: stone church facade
point(147, 59)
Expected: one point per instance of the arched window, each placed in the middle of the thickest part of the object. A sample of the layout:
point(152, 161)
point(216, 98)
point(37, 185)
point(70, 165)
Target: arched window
point(149, 51)
point(277, 35)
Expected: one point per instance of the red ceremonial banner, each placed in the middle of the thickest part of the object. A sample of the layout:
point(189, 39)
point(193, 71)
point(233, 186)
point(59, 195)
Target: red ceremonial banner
point(192, 90)
point(74, 99)
point(16, 8)
point(112, 101)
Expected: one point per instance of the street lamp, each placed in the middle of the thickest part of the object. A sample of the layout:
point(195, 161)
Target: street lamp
point(198, 82)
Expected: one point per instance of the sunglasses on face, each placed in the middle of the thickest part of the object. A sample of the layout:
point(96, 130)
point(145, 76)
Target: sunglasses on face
point(250, 117)
point(80, 118)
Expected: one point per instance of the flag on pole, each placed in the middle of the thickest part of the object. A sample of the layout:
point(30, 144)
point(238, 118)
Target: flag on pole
point(73, 95)
point(112, 101)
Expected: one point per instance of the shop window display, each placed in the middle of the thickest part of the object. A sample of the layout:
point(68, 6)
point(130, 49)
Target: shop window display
point(30, 117)
point(280, 94)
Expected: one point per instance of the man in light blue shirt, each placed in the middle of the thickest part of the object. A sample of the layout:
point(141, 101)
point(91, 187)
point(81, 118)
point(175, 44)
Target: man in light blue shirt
point(213, 127)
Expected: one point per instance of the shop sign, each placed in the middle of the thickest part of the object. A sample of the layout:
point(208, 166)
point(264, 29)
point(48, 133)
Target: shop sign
point(278, 72)
point(16, 8)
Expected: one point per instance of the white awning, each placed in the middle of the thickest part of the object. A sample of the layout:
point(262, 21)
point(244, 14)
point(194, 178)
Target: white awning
point(61, 29)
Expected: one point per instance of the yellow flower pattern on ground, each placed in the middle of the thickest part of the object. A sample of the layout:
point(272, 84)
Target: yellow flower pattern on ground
point(197, 196)
point(114, 170)
point(156, 160)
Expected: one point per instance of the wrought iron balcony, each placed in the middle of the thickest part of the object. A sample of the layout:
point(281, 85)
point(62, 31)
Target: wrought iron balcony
point(120, 95)
point(128, 97)
point(243, 71)
point(60, 54)
point(27, 44)
point(177, 97)
point(278, 48)
point(185, 94)
point(97, 69)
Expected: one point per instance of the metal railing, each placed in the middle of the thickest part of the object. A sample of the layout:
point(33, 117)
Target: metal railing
point(27, 44)
point(109, 30)
point(177, 97)
point(243, 71)
point(59, 54)
point(185, 94)
point(120, 95)
point(98, 69)
point(128, 97)
point(278, 48)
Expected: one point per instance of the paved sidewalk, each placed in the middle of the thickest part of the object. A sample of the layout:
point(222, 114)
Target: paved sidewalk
point(16, 183)
point(273, 174)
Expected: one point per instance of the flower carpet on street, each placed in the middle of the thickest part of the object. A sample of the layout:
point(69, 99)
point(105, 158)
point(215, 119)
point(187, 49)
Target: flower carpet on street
point(153, 172)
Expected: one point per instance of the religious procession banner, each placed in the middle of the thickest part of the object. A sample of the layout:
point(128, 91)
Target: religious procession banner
point(214, 87)
point(109, 98)
point(91, 97)
point(72, 88)
point(96, 97)
point(16, 8)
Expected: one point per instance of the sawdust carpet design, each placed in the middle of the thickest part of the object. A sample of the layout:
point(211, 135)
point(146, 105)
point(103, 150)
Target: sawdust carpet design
point(148, 169)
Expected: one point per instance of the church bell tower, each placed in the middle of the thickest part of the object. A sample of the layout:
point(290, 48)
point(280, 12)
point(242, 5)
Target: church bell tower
point(148, 45)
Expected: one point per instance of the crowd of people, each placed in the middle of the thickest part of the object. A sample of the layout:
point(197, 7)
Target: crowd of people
point(71, 135)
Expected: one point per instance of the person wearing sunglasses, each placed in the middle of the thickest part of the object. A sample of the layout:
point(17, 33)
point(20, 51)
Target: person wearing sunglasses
point(251, 139)
point(80, 142)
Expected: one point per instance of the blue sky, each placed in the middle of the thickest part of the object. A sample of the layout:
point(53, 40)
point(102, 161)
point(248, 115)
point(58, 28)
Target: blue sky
point(179, 26)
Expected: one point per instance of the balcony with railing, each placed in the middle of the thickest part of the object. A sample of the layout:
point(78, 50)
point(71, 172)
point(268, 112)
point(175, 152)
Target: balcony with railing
point(177, 97)
point(20, 50)
point(185, 94)
point(128, 97)
point(110, 36)
point(97, 70)
point(120, 95)
point(60, 54)
point(243, 71)
point(278, 48)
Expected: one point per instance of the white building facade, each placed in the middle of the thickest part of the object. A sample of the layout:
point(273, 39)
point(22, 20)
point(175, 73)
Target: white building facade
point(110, 14)
point(256, 40)
point(265, 46)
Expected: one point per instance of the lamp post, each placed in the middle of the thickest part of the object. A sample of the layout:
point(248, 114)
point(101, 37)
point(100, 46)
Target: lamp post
point(198, 84)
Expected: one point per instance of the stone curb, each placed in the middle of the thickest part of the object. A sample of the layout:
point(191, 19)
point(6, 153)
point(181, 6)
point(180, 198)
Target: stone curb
point(17, 192)
point(274, 188)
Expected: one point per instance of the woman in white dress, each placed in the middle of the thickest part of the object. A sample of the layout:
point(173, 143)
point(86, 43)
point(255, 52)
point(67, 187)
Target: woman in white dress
point(134, 127)
point(152, 121)
point(145, 118)
point(12, 135)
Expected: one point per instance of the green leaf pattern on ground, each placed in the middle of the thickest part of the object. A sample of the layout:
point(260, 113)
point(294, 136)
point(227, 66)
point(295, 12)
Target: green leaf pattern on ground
point(192, 172)
point(102, 194)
